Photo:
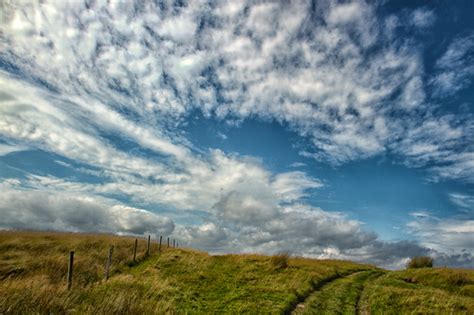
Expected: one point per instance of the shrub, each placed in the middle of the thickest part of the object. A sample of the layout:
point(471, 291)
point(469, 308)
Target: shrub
point(280, 260)
point(420, 262)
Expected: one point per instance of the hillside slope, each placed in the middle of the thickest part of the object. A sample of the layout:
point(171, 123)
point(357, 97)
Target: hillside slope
point(33, 268)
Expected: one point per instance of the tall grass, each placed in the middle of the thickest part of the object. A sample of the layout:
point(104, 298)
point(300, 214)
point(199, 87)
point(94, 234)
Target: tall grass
point(34, 266)
point(280, 260)
point(420, 262)
point(32, 254)
point(422, 291)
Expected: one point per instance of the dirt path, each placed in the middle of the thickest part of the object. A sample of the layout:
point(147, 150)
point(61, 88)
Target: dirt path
point(337, 296)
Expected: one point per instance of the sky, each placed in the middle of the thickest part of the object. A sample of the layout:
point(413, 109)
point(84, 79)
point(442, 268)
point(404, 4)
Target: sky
point(326, 129)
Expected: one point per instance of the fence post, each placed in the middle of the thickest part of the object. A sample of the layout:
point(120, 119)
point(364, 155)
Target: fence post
point(159, 246)
point(135, 250)
point(148, 246)
point(69, 269)
point(173, 243)
point(168, 240)
point(109, 262)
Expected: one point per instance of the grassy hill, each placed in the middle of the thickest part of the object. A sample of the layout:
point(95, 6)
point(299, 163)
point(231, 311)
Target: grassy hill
point(33, 268)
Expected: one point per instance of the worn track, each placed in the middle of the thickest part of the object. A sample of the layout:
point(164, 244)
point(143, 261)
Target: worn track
point(339, 295)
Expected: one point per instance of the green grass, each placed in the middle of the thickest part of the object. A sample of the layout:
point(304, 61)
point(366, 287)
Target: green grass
point(174, 280)
point(340, 296)
point(33, 269)
point(421, 291)
point(232, 283)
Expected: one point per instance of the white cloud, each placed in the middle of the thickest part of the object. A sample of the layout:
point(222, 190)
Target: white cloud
point(437, 142)
point(464, 201)
point(235, 65)
point(422, 17)
point(448, 236)
point(61, 211)
point(291, 186)
point(455, 67)
point(222, 135)
point(7, 148)
point(137, 72)
point(297, 164)
point(344, 13)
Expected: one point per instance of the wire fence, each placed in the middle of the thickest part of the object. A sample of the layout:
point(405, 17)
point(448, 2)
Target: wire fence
point(109, 258)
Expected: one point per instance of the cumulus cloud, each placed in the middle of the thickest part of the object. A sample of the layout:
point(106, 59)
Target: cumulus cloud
point(77, 213)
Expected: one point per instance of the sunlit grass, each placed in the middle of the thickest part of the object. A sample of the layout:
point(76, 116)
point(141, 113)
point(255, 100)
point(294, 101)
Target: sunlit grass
point(422, 291)
point(33, 268)
point(340, 296)
point(176, 279)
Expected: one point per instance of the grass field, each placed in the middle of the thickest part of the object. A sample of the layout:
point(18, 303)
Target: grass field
point(33, 268)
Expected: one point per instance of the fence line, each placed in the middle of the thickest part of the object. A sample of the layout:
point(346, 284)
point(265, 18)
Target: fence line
point(108, 263)
point(69, 269)
point(135, 250)
point(148, 246)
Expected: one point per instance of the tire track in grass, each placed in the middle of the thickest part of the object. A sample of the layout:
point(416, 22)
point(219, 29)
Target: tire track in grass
point(359, 306)
point(340, 296)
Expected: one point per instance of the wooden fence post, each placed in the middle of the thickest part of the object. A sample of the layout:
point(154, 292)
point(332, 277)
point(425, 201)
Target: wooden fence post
point(69, 269)
point(159, 247)
point(168, 242)
point(173, 243)
point(148, 246)
point(135, 250)
point(109, 262)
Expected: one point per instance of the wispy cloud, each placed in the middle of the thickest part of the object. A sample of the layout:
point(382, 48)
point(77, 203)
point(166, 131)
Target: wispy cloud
point(464, 201)
point(444, 235)
point(455, 67)
point(7, 148)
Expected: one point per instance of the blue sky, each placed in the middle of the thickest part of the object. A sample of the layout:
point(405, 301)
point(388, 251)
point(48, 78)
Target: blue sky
point(332, 129)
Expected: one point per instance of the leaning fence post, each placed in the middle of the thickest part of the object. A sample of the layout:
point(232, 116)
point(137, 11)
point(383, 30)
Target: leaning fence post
point(135, 250)
point(159, 247)
point(148, 246)
point(109, 262)
point(69, 269)
point(168, 242)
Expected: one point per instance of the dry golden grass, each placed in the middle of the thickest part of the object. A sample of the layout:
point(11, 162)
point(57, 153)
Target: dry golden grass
point(29, 254)
point(280, 260)
point(33, 268)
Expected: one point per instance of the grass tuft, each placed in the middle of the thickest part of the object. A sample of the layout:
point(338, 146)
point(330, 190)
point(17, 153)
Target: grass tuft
point(420, 262)
point(280, 260)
